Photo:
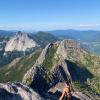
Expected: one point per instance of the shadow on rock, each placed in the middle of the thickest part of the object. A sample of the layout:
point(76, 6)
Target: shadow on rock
point(5, 95)
point(78, 73)
point(39, 83)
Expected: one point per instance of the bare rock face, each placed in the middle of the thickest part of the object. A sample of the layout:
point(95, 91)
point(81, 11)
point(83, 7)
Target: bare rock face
point(17, 91)
point(20, 42)
point(60, 72)
point(69, 49)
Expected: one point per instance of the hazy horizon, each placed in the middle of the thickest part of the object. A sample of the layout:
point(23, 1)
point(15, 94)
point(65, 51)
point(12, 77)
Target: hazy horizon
point(49, 30)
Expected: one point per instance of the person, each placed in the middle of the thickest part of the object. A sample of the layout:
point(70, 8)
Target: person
point(66, 95)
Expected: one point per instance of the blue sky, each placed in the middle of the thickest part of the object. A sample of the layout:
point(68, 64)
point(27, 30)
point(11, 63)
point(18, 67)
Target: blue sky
point(49, 14)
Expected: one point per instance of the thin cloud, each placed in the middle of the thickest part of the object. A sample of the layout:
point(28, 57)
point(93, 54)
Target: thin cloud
point(46, 27)
point(84, 25)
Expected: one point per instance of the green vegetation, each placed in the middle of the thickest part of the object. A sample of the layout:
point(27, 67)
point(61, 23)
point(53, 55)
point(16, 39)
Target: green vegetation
point(44, 38)
point(49, 61)
point(92, 63)
point(16, 71)
point(10, 57)
point(84, 88)
point(29, 80)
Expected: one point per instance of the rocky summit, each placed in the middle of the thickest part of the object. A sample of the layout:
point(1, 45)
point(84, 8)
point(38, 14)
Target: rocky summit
point(20, 42)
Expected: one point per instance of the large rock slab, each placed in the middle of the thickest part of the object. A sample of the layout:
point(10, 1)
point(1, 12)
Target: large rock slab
point(17, 91)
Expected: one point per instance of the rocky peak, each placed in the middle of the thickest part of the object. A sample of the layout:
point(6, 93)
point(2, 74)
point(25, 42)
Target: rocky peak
point(19, 33)
point(69, 49)
point(20, 42)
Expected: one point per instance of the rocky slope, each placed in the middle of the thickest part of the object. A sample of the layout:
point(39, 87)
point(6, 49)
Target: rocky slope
point(17, 91)
point(20, 42)
point(58, 52)
point(59, 62)
point(15, 70)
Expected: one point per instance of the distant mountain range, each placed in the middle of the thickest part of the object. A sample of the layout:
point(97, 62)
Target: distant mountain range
point(84, 36)
point(90, 39)
point(6, 33)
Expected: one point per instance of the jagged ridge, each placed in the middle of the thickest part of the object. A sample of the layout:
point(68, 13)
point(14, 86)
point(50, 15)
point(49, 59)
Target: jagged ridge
point(65, 65)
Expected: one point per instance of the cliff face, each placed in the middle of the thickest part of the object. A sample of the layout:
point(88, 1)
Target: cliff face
point(20, 42)
point(70, 50)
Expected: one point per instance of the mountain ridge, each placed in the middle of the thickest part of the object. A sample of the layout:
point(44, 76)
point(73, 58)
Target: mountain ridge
point(57, 70)
point(60, 62)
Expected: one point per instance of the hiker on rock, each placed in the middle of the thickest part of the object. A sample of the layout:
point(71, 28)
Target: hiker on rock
point(66, 95)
